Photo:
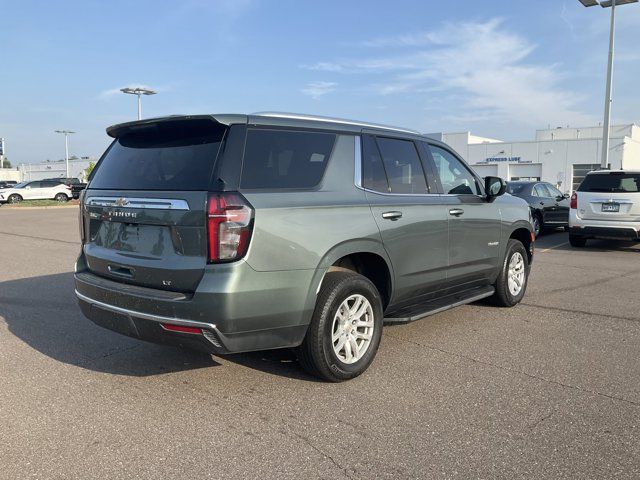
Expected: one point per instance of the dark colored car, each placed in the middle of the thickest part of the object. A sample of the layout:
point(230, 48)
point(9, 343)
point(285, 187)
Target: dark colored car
point(76, 188)
point(232, 233)
point(8, 183)
point(549, 206)
point(66, 181)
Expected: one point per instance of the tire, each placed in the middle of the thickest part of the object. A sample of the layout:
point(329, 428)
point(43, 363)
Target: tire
point(577, 241)
point(537, 224)
point(14, 198)
point(317, 354)
point(504, 295)
point(61, 197)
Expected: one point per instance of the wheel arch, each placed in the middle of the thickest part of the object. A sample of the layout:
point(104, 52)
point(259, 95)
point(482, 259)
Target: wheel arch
point(365, 256)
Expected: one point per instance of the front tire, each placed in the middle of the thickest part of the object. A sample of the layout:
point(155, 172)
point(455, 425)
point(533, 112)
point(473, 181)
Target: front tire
point(514, 276)
point(14, 198)
point(344, 334)
point(537, 224)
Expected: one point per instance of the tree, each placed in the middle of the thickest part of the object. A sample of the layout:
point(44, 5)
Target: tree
point(88, 170)
point(6, 163)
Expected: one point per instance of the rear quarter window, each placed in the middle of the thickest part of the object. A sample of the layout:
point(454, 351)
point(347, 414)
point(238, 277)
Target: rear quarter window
point(278, 159)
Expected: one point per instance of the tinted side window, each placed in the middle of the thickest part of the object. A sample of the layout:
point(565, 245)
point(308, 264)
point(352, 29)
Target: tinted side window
point(543, 191)
point(455, 177)
point(373, 174)
point(403, 166)
point(49, 184)
point(35, 185)
point(553, 190)
point(285, 159)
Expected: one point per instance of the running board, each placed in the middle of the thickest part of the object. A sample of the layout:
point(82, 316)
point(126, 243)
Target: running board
point(421, 310)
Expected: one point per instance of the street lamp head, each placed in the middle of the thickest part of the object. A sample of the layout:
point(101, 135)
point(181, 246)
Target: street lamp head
point(66, 132)
point(605, 3)
point(138, 91)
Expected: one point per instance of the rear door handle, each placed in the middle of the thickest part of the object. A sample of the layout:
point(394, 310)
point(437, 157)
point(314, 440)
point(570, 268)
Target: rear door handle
point(392, 215)
point(456, 212)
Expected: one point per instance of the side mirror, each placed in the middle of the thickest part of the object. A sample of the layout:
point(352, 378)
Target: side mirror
point(494, 187)
point(566, 195)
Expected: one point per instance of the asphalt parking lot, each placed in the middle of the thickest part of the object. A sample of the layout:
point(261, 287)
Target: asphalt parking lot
point(548, 389)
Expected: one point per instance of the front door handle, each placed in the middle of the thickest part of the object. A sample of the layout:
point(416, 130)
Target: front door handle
point(392, 215)
point(456, 212)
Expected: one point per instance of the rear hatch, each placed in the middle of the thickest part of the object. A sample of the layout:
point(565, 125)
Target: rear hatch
point(610, 196)
point(144, 213)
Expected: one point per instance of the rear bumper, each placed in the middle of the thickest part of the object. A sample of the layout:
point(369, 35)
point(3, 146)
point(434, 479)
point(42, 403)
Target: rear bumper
point(267, 310)
point(613, 233)
point(604, 229)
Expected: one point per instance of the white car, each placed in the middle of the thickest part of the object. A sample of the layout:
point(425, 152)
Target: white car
point(606, 205)
point(36, 190)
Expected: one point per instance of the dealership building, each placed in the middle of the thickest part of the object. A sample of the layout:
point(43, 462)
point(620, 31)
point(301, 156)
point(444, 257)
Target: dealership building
point(560, 156)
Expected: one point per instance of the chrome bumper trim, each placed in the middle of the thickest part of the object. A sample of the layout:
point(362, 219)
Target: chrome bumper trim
point(146, 316)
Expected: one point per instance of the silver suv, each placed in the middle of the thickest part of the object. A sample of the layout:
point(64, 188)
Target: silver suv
point(606, 205)
point(231, 233)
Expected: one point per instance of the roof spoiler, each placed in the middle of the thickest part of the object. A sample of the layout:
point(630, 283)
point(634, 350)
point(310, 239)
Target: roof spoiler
point(121, 129)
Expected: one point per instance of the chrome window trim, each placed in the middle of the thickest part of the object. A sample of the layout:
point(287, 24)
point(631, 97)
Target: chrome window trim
point(358, 179)
point(146, 316)
point(358, 161)
point(144, 203)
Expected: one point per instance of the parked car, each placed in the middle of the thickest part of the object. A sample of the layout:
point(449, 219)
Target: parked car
point(76, 188)
point(549, 206)
point(65, 180)
point(7, 183)
point(232, 233)
point(36, 190)
point(606, 205)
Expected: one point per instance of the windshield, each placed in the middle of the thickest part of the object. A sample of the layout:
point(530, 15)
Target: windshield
point(612, 182)
point(19, 185)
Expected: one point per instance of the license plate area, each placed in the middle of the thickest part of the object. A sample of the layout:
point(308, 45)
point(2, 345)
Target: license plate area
point(610, 207)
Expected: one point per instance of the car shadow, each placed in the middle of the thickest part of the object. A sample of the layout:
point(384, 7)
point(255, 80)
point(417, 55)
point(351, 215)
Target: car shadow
point(43, 313)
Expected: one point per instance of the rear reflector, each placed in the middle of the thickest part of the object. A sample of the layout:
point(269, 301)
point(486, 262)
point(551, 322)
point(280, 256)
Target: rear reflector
point(181, 329)
point(574, 201)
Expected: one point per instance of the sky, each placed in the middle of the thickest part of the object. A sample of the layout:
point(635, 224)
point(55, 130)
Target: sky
point(500, 68)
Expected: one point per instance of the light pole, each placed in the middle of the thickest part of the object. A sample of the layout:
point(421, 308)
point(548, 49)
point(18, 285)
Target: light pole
point(66, 134)
point(139, 91)
point(604, 164)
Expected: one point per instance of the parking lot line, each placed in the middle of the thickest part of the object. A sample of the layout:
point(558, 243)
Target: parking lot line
point(555, 246)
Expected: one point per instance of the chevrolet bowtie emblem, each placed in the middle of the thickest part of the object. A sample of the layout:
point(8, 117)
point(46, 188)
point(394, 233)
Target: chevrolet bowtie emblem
point(121, 202)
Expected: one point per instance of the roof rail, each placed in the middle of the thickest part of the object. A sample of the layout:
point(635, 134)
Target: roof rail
point(318, 118)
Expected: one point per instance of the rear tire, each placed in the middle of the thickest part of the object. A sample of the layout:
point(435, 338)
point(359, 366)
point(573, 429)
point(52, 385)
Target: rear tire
point(514, 276)
point(576, 241)
point(61, 197)
point(14, 198)
point(345, 330)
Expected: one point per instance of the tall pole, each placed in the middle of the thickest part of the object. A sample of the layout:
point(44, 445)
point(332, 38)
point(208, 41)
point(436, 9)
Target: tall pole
point(607, 100)
point(139, 106)
point(66, 152)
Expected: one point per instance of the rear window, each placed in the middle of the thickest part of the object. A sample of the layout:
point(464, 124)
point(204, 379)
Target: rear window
point(164, 156)
point(276, 159)
point(516, 188)
point(612, 182)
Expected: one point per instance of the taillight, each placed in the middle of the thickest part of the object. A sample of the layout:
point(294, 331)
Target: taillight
point(574, 201)
point(229, 226)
